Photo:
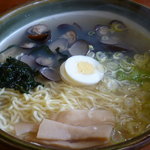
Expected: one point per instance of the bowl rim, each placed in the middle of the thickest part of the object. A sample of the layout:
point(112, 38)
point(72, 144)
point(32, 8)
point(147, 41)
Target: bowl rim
point(136, 142)
point(141, 4)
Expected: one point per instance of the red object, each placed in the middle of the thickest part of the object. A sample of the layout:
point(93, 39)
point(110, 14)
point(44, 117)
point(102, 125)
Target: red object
point(144, 2)
point(6, 5)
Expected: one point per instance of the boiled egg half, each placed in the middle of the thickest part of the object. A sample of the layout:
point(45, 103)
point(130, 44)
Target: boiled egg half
point(81, 70)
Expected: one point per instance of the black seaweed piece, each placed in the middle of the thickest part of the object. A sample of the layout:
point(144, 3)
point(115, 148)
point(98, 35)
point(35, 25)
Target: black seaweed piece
point(17, 75)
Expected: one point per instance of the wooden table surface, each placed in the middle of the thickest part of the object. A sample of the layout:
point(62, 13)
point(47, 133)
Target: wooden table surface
point(6, 5)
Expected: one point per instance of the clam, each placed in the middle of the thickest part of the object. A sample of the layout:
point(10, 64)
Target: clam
point(45, 61)
point(60, 43)
point(61, 57)
point(118, 26)
point(28, 45)
point(42, 50)
point(50, 74)
point(63, 28)
point(29, 60)
point(77, 26)
point(39, 32)
point(80, 47)
point(70, 36)
point(105, 35)
point(102, 30)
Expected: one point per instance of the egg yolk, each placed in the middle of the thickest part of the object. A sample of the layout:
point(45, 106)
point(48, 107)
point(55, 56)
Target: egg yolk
point(85, 68)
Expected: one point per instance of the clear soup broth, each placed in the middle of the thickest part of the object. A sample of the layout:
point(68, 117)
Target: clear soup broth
point(76, 80)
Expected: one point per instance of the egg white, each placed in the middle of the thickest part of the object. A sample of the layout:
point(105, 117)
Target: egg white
point(71, 74)
point(66, 78)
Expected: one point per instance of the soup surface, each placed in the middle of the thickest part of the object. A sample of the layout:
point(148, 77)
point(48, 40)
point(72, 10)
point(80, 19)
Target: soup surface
point(76, 80)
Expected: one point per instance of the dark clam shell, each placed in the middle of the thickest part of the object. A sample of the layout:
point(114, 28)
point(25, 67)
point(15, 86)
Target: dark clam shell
point(64, 28)
point(80, 47)
point(117, 48)
point(45, 61)
point(50, 74)
point(39, 32)
point(29, 60)
point(77, 26)
point(60, 43)
point(71, 36)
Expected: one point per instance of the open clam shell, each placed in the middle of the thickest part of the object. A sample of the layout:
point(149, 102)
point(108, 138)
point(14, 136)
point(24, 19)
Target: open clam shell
point(39, 32)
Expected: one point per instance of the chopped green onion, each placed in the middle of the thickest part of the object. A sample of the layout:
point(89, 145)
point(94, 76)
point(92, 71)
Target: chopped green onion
point(117, 55)
point(101, 57)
